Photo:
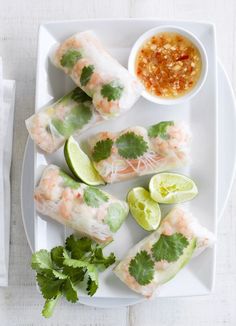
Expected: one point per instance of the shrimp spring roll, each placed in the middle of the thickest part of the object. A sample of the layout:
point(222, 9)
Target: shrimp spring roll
point(139, 151)
point(86, 209)
point(160, 256)
point(113, 89)
point(53, 125)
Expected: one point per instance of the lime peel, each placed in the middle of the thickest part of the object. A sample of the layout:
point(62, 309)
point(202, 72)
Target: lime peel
point(80, 164)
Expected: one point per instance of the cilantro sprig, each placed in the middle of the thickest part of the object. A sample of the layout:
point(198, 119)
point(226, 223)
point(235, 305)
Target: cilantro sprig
point(102, 150)
point(70, 58)
point(141, 267)
point(160, 129)
point(131, 146)
point(86, 74)
point(112, 91)
point(79, 96)
point(169, 248)
point(60, 271)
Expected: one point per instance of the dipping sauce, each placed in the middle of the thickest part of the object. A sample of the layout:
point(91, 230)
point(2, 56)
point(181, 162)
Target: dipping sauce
point(169, 65)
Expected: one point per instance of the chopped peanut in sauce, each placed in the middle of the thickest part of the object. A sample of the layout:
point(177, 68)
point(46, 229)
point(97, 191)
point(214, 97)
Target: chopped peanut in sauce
point(169, 65)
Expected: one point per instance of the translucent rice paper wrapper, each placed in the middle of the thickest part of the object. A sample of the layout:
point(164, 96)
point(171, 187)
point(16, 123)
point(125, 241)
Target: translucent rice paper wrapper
point(167, 145)
point(112, 88)
point(51, 126)
point(88, 210)
point(177, 221)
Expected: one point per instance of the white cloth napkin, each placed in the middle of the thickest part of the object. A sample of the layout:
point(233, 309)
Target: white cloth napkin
point(7, 102)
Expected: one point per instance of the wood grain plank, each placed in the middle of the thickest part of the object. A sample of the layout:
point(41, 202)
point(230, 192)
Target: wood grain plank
point(22, 305)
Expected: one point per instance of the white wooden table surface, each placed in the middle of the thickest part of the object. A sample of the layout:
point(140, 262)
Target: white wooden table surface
point(20, 303)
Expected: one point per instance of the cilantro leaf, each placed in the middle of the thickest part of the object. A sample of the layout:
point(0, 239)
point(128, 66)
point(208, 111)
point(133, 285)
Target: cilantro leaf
point(92, 287)
point(70, 291)
point(94, 197)
point(78, 247)
point(70, 58)
point(160, 129)
point(99, 258)
point(86, 74)
point(92, 272)
point(41, 261)
point(131, 146)
point(90, 269)
point(111, 91)
point(49, 306)
point(75, 274)
point(60, 271)
point(169, 248)
point(75, 263)
point(59, 275)
point(57, 255)
point(102, 150)
point(141, 267)
point(115, 216)
point(76, 119)
point(49, 287)
point(69, 181)
point(80, 96)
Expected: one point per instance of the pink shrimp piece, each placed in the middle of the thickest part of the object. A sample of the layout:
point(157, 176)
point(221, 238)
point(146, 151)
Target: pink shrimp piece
point(39, 197)
point(94, 82)
point(70, 43)
point(62, 111)
point(167, 228)
point(178, 133)
point(131, 280)
point(52, 189)
point(106, 135)
point(40, 134)
point(66, 205)
point(107, 107)
point(101, 214)
point(78, 67)
point(161, 265)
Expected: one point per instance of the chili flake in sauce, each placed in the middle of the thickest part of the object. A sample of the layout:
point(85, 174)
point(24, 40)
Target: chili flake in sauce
point(169, 65)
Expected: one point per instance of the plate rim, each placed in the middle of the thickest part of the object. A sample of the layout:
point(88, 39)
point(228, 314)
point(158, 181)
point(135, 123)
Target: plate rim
point(233, 97)
point(119, 19)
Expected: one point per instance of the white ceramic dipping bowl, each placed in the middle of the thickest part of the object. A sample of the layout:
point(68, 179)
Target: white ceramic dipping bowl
point(174, 29)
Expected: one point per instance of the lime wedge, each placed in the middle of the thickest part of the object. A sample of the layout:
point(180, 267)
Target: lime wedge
point(144, 209)
point(80, 165)
point(172, 188)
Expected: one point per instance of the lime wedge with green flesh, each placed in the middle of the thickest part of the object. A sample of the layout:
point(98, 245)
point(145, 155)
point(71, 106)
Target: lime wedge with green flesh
point(172, 188)
point(80, 164)
point(144, 209)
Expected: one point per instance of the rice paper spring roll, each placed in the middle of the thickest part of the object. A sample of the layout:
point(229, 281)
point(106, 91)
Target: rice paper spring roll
point(113, 89)
point(160, 256)
point(87, 210)
point(138, 151)
point(51, 126)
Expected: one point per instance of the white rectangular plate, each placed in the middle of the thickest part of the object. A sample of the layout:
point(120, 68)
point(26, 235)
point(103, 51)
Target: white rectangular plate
point(200, 113)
